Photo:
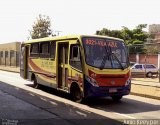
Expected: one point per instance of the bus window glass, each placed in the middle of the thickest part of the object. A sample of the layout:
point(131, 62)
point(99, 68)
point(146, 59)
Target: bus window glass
point(75, 57)
point(75, 53)
point(45, 49)
point(35, 48)
point(34, 52)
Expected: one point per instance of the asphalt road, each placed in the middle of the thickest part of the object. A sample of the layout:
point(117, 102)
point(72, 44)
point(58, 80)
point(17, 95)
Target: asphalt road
point(23, 104)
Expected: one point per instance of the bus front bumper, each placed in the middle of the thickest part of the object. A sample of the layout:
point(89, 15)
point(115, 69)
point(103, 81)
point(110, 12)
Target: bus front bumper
point(102, 91)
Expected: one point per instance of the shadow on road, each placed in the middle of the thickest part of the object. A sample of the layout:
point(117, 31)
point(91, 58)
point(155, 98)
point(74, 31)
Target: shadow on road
point(124, 106)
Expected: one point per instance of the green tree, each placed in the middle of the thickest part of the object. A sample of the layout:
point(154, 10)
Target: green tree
point(41, 27)
point(151, 49)
point(131, 37)
point(139, 34)
point(107, 32)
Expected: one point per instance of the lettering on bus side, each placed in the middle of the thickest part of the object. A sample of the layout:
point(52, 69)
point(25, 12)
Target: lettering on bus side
point(47, 64)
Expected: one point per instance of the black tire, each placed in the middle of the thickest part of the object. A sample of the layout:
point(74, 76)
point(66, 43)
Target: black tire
point(149, 74)
point(35, 84)
point(76, 94)
point(116, 98)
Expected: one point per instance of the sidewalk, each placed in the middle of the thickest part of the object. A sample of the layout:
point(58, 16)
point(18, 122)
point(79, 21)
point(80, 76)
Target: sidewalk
point(147, 87)
point(11, 69)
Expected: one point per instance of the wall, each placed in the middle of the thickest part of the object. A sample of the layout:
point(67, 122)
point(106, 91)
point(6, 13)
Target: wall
point(143, 58)
point(9, 54)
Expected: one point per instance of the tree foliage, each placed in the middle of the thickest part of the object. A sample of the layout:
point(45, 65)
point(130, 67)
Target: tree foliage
point(131, 37)
point(41, 27)
point(151, 49)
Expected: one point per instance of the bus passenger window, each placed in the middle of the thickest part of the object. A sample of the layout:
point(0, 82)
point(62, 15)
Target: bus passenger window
point(45, 49)
point(53, 50)
point(75, 57)
point(34, 51)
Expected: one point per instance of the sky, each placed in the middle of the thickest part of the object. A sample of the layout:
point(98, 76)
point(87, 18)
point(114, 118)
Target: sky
point(74, 16)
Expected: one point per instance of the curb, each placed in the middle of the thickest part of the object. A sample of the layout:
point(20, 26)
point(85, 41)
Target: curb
point(10, 70)
point(144, 95)
point(157, 86)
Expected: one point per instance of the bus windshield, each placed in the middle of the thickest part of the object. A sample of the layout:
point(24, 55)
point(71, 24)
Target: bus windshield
point(105, 53)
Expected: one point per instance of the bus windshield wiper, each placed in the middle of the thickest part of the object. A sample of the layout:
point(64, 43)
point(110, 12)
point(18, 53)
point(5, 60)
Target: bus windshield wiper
point(105, 57)
point(118, 61)
point(108, 56)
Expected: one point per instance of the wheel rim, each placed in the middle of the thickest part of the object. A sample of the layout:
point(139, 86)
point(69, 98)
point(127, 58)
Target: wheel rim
point(77, 95)
point(35, 83)
point(149, 74)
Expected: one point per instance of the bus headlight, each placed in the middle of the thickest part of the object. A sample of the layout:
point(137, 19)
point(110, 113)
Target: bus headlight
point(92, 81)
point(128, 82)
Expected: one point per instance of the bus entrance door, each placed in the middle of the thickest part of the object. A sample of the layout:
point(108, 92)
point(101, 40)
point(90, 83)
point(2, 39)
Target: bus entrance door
point(63, 65)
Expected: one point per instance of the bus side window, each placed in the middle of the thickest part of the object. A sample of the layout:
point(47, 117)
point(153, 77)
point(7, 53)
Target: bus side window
point(75, 57)
point(45, 49)
point(34, 50)
point(53, 50)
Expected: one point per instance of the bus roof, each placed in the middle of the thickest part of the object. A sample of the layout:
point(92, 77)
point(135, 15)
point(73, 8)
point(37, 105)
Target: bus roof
point(59, 38)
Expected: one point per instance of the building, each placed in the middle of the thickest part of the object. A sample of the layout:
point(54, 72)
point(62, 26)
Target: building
point(154, 31)
point(154, 28)
point(9, 54)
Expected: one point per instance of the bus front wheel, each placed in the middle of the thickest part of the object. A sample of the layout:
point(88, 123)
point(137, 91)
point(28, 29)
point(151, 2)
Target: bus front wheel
point(76, 93)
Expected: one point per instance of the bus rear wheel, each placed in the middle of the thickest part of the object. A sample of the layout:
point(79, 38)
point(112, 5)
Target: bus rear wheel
point(35, 83)
point(76, 94)
point(116, 98)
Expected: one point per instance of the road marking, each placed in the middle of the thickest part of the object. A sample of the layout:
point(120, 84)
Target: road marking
point(43, 99)
point(80, 113)
point(124, 115)
point(31, 94)
point(54, 103)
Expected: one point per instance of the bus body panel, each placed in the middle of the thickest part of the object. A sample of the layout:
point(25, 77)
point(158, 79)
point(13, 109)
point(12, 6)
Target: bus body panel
point(76, 76)
point(44, 70)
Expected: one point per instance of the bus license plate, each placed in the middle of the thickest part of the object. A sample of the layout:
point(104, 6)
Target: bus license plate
point(112, 90)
